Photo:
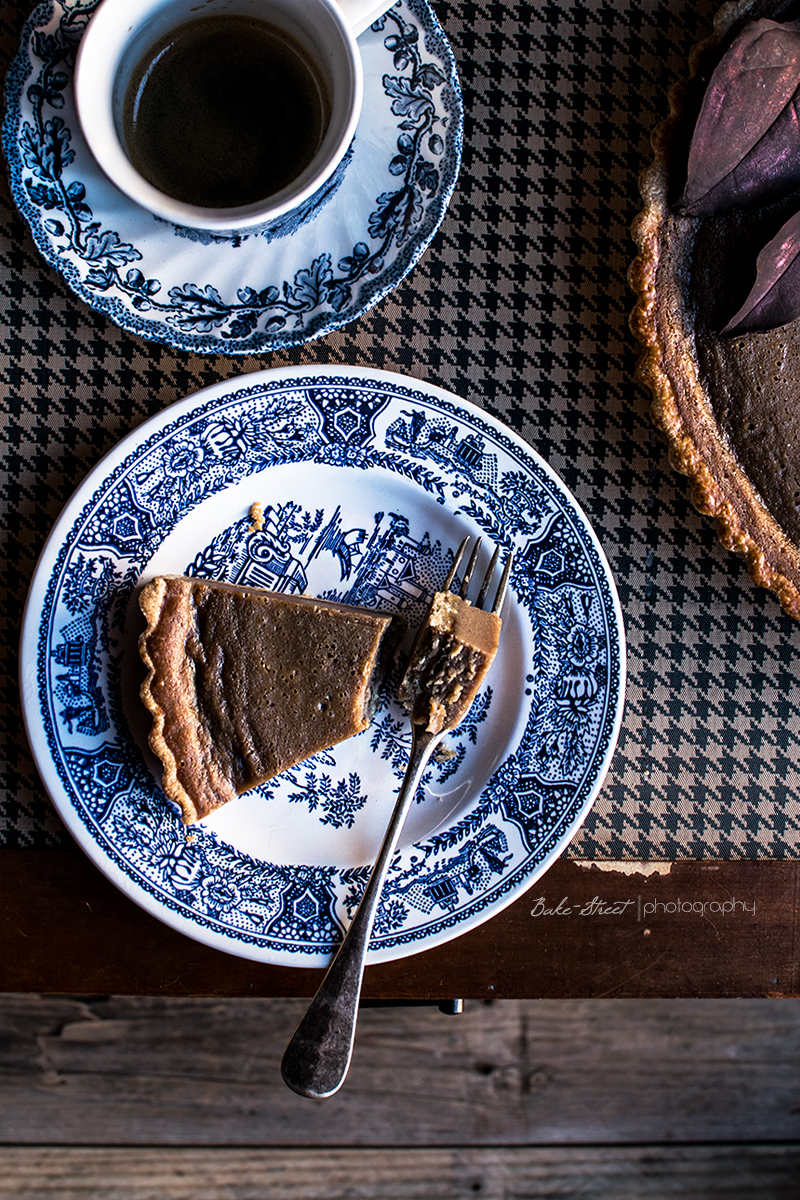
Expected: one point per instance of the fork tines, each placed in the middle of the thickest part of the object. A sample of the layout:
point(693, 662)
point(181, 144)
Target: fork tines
point(465, 582)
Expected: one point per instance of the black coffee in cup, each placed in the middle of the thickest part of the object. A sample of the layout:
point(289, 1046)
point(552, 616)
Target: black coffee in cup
point(224, 111)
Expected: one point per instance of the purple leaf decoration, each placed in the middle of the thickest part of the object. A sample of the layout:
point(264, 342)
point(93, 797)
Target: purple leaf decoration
point(746, 145)
point(774, 299)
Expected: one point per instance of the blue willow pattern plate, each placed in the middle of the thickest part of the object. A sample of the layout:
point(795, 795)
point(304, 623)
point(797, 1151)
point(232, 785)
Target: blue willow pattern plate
point(367, 481)
point(322, 266)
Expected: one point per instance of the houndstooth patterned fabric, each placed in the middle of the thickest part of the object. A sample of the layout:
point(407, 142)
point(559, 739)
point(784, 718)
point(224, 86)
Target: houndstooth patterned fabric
point(520, 304)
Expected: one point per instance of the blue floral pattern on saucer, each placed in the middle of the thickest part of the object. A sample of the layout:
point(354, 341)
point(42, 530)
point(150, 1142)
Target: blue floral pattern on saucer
point(319, 268)
point(365, 482)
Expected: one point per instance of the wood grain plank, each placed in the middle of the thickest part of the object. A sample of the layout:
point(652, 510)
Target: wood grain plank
point(194, 1072)
point(65, 929)
point(744, 1172)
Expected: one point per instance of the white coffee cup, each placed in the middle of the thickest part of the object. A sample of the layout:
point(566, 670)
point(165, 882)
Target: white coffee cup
point(121, 32)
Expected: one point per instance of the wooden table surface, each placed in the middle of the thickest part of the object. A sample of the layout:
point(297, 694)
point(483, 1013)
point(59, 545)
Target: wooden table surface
point(714, 929)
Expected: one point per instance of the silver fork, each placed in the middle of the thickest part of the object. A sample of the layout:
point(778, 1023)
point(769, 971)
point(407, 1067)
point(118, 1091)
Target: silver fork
point(317, 1058)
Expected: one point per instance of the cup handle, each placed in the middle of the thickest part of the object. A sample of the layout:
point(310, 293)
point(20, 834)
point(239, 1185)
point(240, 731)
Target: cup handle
point(359, 14)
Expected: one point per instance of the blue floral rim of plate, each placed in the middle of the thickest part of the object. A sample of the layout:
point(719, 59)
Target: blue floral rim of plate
point(548, 722)
point(323, 268)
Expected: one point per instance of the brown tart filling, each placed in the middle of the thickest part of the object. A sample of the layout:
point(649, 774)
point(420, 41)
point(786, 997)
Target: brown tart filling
point(243, 683)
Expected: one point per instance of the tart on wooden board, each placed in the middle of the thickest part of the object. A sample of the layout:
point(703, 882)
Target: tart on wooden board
point(717, 278)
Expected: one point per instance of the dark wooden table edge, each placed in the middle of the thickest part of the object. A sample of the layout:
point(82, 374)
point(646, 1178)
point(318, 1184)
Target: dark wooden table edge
point(583, 930)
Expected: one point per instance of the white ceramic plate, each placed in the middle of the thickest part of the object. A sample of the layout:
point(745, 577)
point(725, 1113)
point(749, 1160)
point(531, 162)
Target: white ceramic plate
point(343, 251)
point(369, 481)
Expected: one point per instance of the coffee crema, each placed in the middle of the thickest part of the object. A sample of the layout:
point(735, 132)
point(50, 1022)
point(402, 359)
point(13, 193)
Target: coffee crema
point(224, 111)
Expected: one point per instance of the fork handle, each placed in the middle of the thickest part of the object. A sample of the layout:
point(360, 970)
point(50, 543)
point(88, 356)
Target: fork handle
point(317, 1058)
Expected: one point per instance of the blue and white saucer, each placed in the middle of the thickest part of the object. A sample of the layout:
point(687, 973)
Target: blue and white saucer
point(196, 291)
point(368, 481)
